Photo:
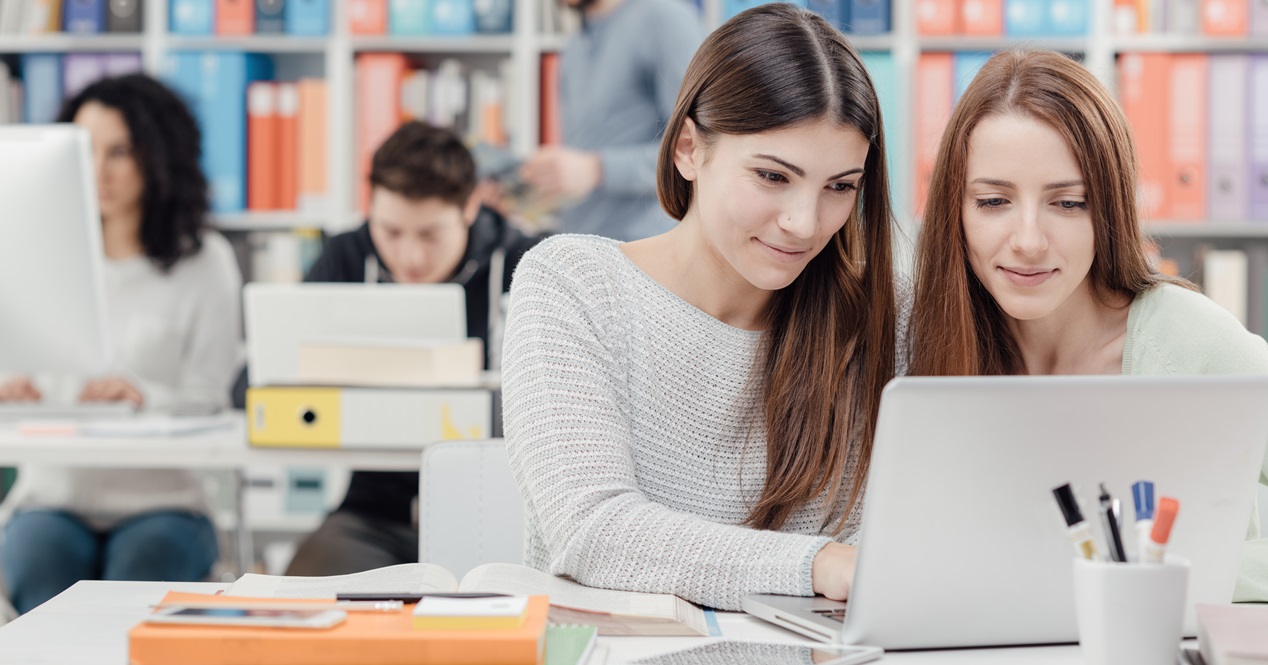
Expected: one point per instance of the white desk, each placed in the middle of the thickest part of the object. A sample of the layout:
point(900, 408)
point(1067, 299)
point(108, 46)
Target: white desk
point(88, 625)
point(219, 449)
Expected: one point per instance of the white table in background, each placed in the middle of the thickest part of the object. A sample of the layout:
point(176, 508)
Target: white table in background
point(88, 625)
point(224, 448)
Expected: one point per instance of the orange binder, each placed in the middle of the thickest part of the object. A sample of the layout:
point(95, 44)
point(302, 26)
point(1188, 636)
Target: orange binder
point(379, 77)
point(235, 17)
point(1143, 80)
point(288, 146)
point(937, 17)
point(367, 17)
point(311, 127)
point(983, 18)
point(1186, 186)
point(551, 131)
point(1225, 18)
point(934, 76)
point(262, 146)
point(383, 638)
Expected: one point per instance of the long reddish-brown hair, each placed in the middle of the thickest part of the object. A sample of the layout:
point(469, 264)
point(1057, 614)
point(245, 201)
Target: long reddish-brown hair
point(829, 346)
point(957, 327)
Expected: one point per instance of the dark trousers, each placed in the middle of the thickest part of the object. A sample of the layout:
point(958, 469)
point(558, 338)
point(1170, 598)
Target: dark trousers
point(348, 542)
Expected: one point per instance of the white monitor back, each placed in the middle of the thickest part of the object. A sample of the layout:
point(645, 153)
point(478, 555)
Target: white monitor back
point(962, 543)
point(281, 317)
point(52, 296)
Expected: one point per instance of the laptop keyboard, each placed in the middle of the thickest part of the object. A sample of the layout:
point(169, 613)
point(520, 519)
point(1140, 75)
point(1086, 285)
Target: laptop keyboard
point(834, 614)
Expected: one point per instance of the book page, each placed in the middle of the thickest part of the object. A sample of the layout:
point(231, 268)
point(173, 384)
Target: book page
point(522, 580)
point(403, 578)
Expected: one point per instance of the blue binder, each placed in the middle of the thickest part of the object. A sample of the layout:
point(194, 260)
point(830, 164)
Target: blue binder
point(84, 17)
point(193, 17)
point(270, 16)
point(494, 16)
point(831, 11)
point(966, 66)
point(452, 17)
point(869, 17)
point(884, 72)
point(732, 7)
point(42, 80)
point(1025, 18)
point(408, 17)
point(308, 18)
point(1068, 18)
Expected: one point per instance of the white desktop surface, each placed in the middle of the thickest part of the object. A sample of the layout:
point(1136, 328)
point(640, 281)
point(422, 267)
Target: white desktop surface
point(88, 625)
point(220, 449)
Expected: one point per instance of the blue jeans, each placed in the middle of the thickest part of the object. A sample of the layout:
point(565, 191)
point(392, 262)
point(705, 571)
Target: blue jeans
point(46, 551)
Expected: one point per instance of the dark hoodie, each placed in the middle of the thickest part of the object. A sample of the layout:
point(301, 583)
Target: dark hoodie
point(493, 246)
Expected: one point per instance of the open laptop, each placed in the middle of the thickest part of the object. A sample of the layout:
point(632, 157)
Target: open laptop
point(962, 543)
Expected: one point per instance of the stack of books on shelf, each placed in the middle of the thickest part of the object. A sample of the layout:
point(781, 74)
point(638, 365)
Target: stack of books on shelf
point(283, 165)
point(1212, 18)
point(1201, 128)
point(472, 101)
point(35, 92)
point(1012, 18)
point(305, 18)
point(858, 17)
point(422, 18)
point(33, 17)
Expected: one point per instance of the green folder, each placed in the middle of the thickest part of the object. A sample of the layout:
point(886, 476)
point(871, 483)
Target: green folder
point(569, 645)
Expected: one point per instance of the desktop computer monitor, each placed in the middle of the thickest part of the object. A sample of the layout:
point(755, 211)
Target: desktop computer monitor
point(52, 299)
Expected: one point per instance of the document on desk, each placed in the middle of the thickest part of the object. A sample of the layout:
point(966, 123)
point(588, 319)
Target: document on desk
point(614, 612)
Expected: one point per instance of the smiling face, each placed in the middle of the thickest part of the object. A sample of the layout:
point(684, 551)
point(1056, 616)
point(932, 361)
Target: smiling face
point(1026, 221)
point(768, 203)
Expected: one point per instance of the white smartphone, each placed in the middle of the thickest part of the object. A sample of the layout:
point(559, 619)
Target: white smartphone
point(733, 652)
point(247, 616)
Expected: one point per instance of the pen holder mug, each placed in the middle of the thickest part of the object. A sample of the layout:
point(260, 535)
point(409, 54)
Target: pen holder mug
point(1130, 613)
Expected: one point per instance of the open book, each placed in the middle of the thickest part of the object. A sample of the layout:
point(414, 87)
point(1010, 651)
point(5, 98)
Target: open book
point(613, 612)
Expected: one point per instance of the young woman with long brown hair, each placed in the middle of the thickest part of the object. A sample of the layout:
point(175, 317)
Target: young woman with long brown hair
point(1031, 258)
point(693, 413)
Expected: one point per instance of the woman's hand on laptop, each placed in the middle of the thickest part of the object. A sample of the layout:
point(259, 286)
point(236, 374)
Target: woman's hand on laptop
point(833, 571)
point(19, 389)
point(111, 390)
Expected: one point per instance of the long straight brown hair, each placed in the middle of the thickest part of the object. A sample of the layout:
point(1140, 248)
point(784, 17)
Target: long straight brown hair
point(829, 345)
point(957, 327)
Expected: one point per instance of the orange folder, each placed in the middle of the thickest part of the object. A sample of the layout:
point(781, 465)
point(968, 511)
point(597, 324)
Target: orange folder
point(551, 132)
point(1186, 186)
point(937, 17)
point(235, 17)
point(379, 77)
point(367, 17)
point(262, 146)
point(1225, 18)
point(288, 146)
point(311, 128)
point(383, 638)
point(934, 76)
point(1143, 83)
point(983, 18)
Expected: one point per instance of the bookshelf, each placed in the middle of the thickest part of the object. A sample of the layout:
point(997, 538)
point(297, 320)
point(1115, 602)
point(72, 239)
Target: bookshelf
point(333, 59)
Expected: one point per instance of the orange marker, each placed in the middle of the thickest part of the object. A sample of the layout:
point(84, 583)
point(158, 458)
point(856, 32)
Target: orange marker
point(1156, 546)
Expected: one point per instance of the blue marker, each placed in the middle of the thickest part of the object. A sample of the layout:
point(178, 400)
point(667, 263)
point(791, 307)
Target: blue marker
point(1143, 496)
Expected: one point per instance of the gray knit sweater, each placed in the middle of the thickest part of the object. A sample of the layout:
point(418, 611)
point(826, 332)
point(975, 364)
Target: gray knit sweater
point(637, 437)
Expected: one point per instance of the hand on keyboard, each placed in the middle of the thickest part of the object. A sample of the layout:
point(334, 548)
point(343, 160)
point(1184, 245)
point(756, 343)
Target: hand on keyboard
point(111, 390)
point(19, 389)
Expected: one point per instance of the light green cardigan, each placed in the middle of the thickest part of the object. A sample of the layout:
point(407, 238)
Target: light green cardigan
point(1171, 330)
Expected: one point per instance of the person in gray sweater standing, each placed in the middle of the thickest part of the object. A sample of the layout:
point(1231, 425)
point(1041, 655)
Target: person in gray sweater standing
point(619, 77)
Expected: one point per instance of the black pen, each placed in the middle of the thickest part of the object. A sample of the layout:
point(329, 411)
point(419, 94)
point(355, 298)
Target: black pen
point(415, 597)
point(1109, 520)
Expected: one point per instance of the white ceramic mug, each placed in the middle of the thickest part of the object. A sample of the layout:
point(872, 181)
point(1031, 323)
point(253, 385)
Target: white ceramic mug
point(1130, 613)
